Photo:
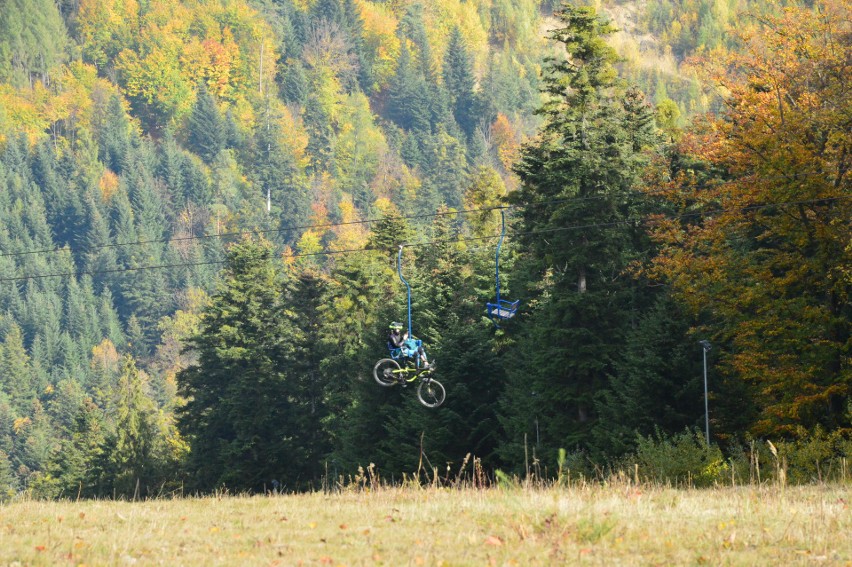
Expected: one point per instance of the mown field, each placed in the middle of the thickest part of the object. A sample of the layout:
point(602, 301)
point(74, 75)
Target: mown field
point(609, 525)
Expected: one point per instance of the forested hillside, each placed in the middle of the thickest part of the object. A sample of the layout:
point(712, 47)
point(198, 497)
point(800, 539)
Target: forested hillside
point(201, 204)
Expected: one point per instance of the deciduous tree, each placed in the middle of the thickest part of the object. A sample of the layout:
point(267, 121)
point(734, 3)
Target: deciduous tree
point(762, 250)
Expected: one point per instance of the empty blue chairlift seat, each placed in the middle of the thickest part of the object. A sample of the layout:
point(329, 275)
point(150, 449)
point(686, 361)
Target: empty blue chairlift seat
point(501, 308)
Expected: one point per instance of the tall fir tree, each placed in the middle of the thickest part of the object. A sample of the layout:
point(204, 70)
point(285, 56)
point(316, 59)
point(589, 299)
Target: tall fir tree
point(578, 186)
point(205, 127)
point(278, 175)
point(408, 96)
point(130, 448)
point(15, 371)
point(460, 83)
point(248, 414)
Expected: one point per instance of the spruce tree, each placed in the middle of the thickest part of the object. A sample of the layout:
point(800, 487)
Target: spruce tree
point(295, 83)
point(362, 297)
point(248, 410)
point(276, 173)
point(114, 136)
point(448, 316)
point(655, 385)
point(578, 187)
point(130, 448)
point(8, 480)
point(460, 82)
point(81, 465)
point(32, 41)
point(206, 128)
point(15, 373)
point(408, 96)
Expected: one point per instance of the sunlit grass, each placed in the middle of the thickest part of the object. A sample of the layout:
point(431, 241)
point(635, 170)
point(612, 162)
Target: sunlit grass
point(605, 525)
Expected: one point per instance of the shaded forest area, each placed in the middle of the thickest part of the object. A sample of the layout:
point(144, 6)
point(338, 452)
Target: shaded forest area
point(201, 205)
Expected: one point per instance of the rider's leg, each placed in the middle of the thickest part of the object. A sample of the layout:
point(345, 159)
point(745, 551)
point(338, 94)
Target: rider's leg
point(423, 357)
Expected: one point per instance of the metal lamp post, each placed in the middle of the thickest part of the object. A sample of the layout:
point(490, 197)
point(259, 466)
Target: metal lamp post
point(706, 346)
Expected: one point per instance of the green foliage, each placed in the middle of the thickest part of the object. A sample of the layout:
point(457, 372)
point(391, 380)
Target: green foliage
point(15, 371)
point(248, 411)
point(683, 459)
point(582, 172)
point(655, 384)
point(32, 41)
point(129, 170)
point(459, 82)
point(206, 129)
point(295, 84)
point(8, 482)
point(82, 466)
point(815, 456)
point(129, 450)
point(408, 99)
point(171, 131)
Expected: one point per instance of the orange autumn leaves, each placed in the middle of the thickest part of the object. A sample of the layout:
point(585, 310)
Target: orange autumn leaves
point(162, 52)
point(763, 262)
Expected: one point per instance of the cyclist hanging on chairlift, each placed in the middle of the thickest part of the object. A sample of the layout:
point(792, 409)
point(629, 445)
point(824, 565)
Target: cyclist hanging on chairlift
point(408, 347)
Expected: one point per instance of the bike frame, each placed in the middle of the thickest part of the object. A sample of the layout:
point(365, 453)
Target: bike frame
point(404, 371)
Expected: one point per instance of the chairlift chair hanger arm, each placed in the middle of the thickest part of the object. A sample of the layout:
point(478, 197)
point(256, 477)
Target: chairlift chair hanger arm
point(407, 285)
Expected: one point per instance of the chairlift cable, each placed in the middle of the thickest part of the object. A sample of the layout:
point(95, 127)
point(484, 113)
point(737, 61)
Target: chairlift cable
point(350, 223)
point(633, 222)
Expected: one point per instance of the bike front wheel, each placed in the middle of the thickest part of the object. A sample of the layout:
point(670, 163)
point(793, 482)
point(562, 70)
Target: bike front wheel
point(431, 393)
point(386, 372)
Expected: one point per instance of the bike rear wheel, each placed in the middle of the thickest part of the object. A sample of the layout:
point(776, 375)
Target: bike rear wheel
point(386, 372)
point(431, 393)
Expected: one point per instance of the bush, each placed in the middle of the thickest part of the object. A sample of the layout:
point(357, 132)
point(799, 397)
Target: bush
point(682, 459)
point(816, 456)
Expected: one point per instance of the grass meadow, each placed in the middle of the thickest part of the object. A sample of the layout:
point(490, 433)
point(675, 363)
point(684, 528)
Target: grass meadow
point(595, 524)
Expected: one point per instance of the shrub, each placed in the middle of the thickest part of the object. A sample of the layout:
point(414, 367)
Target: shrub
point(816, 456)
point(682, 459)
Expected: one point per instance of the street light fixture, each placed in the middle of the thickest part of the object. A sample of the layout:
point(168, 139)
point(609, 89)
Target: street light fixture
point(706, 346)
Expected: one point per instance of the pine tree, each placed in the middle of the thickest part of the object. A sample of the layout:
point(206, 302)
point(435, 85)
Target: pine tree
point(81, 464)
point(248, 411)
point(129, 449)
point(582, 303)
point(408, 96)
point(115, 136)
point(205, 127)
point(460, 82)
point(15, 373)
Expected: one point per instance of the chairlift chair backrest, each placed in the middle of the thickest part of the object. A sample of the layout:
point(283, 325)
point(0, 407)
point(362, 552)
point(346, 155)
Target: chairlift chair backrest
point(501, 308)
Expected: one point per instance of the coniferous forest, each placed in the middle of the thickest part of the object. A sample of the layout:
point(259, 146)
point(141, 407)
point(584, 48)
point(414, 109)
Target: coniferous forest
point(202, 205)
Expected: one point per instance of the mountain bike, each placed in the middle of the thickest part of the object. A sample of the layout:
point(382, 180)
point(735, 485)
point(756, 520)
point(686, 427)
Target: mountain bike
point(388, 372)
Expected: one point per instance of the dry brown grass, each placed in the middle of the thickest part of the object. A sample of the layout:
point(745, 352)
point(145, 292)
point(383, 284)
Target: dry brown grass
point(591, 524)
